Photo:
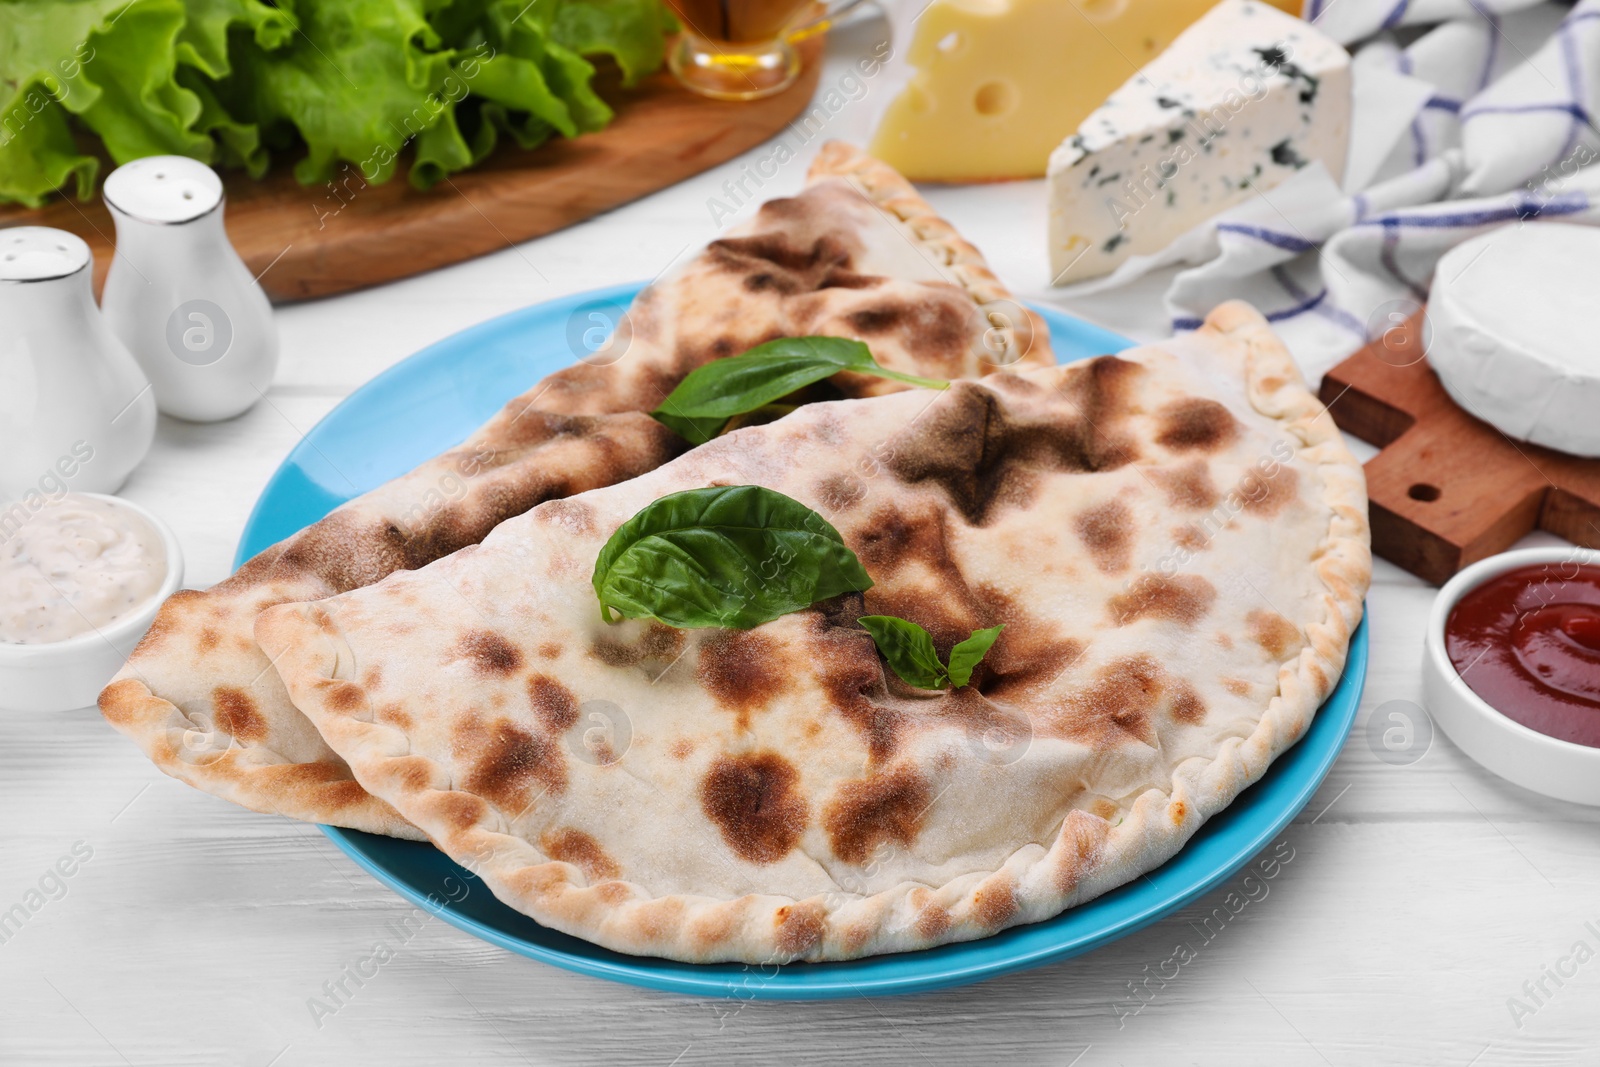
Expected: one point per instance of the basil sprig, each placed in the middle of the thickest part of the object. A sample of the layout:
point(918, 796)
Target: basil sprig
point(909, 651)
point(700, 407)
point(733, 556)
point(736, 556)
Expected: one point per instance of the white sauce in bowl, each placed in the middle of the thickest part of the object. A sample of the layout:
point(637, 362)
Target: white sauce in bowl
point(74, 566)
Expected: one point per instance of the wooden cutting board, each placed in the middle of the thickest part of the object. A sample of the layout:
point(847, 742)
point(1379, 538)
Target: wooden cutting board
point(323, 239)
point(1448, 489)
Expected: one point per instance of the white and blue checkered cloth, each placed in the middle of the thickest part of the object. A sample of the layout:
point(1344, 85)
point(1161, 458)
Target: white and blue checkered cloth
point(1486, 119)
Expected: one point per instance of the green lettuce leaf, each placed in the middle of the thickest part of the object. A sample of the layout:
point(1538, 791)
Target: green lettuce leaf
point(441, 150)
point(44, 51)
point(633, 32)
point(37, 153)
point(203, 42)
point(139, 109)
point(356, 82)
point(359, 82)
point(116, 65)
point(238, 143)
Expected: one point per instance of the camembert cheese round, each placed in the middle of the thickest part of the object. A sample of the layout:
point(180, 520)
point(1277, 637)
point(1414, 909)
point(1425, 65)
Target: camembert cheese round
point(1512, 338)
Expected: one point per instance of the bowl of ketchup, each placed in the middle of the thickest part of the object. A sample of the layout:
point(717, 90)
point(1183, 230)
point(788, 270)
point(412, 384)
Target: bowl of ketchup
point(1511, 670)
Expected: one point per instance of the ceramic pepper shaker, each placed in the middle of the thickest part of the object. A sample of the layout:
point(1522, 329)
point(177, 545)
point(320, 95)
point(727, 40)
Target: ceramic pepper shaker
point(180, 297)
point(76, 412)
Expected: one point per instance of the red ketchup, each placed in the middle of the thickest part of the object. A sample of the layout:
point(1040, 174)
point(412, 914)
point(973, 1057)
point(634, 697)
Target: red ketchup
point(1528, 642)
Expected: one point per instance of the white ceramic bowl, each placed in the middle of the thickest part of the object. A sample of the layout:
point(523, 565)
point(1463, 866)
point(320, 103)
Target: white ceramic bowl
point(63, 675)
point(1516, 753)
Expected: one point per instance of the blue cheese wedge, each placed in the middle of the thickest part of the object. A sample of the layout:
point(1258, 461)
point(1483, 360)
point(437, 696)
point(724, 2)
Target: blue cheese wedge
point(1241, 100)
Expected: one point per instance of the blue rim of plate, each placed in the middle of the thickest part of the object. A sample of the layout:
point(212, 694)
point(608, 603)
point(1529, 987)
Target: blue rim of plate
point(435, 398)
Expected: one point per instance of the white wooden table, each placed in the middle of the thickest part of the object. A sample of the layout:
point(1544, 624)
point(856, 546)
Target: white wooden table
point(1418, 899)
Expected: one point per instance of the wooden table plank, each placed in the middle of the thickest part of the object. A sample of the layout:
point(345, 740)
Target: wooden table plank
point(346, 234)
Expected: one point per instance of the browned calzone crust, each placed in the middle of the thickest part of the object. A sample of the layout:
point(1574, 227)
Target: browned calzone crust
point(1175, 538)
point(857, 254)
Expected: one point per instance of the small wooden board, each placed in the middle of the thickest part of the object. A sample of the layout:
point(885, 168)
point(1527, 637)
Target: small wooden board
point(1448, 489)
point(321, 240)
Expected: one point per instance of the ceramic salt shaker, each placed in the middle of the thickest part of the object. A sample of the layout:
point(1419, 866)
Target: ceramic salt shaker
point(76, 412)
point(180, 297)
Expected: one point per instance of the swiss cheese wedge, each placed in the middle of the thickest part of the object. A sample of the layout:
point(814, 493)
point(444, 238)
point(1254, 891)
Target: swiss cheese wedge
point(997, 84)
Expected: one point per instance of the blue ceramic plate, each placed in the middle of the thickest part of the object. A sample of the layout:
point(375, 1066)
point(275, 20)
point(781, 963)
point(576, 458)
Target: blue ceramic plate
point(437, 397)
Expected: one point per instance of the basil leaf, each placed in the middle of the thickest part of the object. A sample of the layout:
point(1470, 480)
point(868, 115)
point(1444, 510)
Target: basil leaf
point(714, 393)
point(695, 431)
point(908, 649)
point(733, 556)
point(969, 653)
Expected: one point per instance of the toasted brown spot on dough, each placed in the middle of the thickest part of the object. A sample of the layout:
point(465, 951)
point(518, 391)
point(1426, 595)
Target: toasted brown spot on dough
point(1179, 811)
point(880, 810)
point(769, 262)
point(1271, 384)
point(549, 650)
point(1104, 807)
point(512, 760)
point(394, 714)
point(208, 640)
point(1267, 495)
point(1107, 530)
point(856, 936)
point(572, 515)
point(1318, 678)
point(119, 699)
point(168, 620)
point(460, 810)
point(1039, 658)
point(681, 749)
point(1237, 686)
point(800, 928)
point(536, 882)
point(932, 921)
point(849, 670)
point(933, 326)
point(713, 926)
point(1276, 635)
point(237, 714)
point(1081, 842)
point(613, 893)
point(346, 794)
point(553, 702)
point(839, 492)
point(659, 642)
point(1181, 598)
point(661, 917)
point(582, 851)
point(741, 669)
point(345, 697)
point(296, 775)
point(1116, 706)
point(995, 902)
point(411, 773)
point(891, 538)
point(1030, 652)
point(1195, 424)
point(1189, 486)
point(1187, 707)
point(1190, 537)
point(488, 652)
point(755, 802)
point(986, 455)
